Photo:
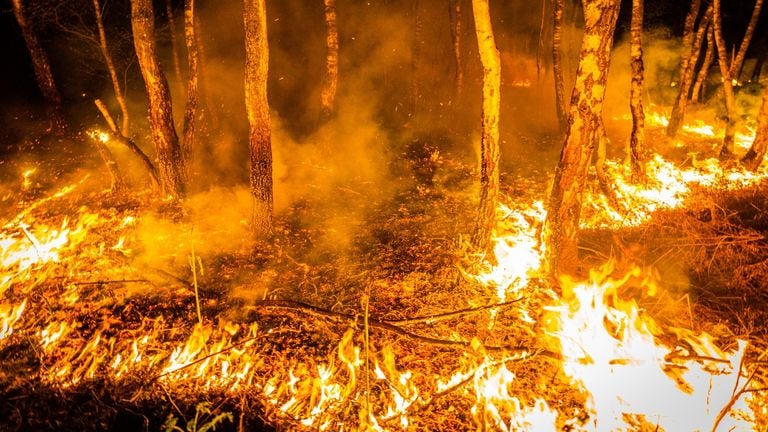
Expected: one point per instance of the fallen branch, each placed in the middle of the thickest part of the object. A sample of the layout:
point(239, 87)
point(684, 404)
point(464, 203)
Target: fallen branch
point(452, 314)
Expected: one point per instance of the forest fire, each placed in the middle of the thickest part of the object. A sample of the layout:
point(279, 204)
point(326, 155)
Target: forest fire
point(332, 236)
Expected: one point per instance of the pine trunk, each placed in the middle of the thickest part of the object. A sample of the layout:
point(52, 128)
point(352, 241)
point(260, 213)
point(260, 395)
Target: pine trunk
point(678, 110)
point(489, 141)
point(42, 69)
point(193, 75)
point(257, 108)
point(726, 152)
point(738, 61)
point(562, 223)
point(637, 139)
point(170, 159)
point(557, 65)
point(705, 67)
point(455, 17)
point(111, 69)
point(756, 152)
point(174, 40)
point(331, 79)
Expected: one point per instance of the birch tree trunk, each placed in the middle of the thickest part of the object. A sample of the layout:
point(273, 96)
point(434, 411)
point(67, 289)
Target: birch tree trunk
point(678, 110)
point(738, 61)
point(637, 139)
point(455, 18)
point(562, 223)
point(170, 159)
point(726, 152)
point(257, 108)
point(705, 67)
point(174, 40)
point(557, 64)
point(111, 69)
point(42, 69)
point(489, 141)
point(331, 79)
point(193, 75)
point(688, 32)
point(756, 152)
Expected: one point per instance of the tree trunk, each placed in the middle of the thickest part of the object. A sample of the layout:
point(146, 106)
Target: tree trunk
point(562, 222)
point(738, 61)
point(193, 74)
point(678, 110)
point(42, 69)
point(415, 60)
point(705, 67)
point(174, 40)
point(540, 44)
point(557, 65)
point(257, 107)
point(455, 17)
point(170, 159)
point(111, 68)
point(211, 110)
point(756, 152)
point(489, 141)
point(726, 152)
point(688, 32)
point(637, 139)
point(331, 80)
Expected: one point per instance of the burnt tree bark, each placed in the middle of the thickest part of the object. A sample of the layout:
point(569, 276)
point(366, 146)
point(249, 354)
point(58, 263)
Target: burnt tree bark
point(193, 75)
point(331, 79)
point(557, 64)
point(738, 60)
point(678, 110)
point(562, 223)
point(111, 68)
point(257, 108)
point(709, 55)
point(42, 69)
point(170, 159)
point(726, 152)
point(637, 138)
point(756, 153)
point(489, 141)
point(455, 18)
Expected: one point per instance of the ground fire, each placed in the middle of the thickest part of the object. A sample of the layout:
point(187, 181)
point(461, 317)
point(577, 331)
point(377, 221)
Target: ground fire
point(384, 215)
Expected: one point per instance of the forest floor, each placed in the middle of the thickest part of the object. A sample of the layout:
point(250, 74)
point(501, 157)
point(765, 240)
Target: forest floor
point(357, 308)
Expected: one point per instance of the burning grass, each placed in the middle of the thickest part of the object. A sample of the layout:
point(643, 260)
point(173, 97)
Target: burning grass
point(100, 326)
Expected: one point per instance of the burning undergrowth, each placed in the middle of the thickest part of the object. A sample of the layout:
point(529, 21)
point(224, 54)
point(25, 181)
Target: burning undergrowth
point(121, 317)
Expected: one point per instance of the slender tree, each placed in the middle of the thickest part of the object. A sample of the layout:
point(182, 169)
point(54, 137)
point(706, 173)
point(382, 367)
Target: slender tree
point(41, 67)
point(193, 74)
point(637, 139)
point(455, 18)
point(678, 110)
point(705, 67)
point(562, 222)
point(170, 158)
point(111, 68)
point(726, 152)
point(756, 153)
point(557, 64)
point(416, 43)
point(688, 32)
point(257, 108)
point(738, 60)
point(331, 79)
point(174, 39)
point(489, 141)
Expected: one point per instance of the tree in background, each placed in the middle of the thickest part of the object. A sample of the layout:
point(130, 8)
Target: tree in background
point(119, 97)
point(738, 61)
point(584, 127)
point(489, 141)
point(331, 79)
point(170, 159)
point(193, 73)
point(709, 56)
point(636, 140)
point(455, 18)
point(174, 40)
point(257, 108)
point(726, 151)
point(42, 69)
point(557, 65)
point(756, 153)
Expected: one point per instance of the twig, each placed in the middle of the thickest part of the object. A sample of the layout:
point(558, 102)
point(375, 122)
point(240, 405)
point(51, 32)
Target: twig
point(452, 314)
point(109, 282)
